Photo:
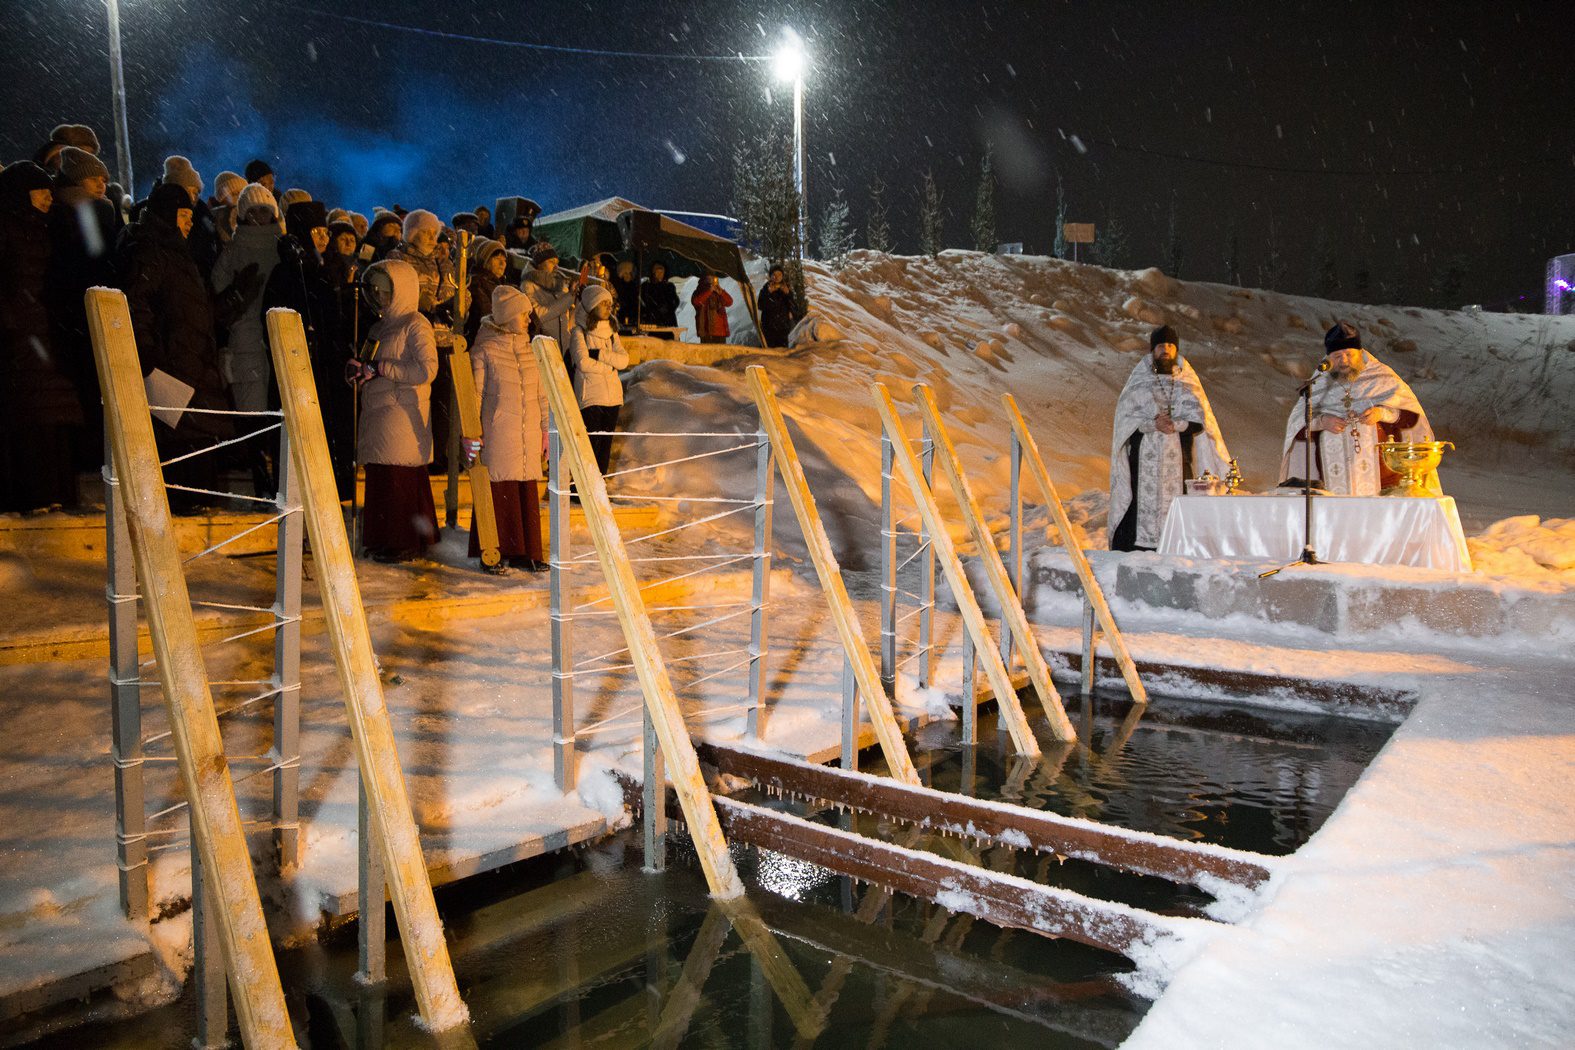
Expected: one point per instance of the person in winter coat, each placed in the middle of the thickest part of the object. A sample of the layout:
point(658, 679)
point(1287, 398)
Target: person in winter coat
point(79, 136)
point(513, 425)
point(83, 229)
point(204, 241)
point(484, 226)
point(259, 172)
point(40, 414)
point(659, 299)
point(394, 439)
point(420, 249)
point(381, 237)
point(488, 265)
point(227, 193)
point(778, 309)
point(554, 301)
point(597, 355)
point(242, 270)
point(303, 281)
point(711, 301)
point(172, 319)
point(626, 286)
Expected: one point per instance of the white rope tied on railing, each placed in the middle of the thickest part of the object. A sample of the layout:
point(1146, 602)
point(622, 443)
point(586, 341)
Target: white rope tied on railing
point(270, 428)
point(905, 617)
point(667, 608)
point(904, 564)
point(244, 532)
point(259, 698)
point(681, 459)
point(683, 631)
point(920, 651)
point(663, 582)
point(289, 763)
point(665, 499)
point(669, 433)
point(121, 599)
point(269, 500)
point(280, 621)
point(668, 660)
point(689, 525)
point(714, 674)
point(271, 413)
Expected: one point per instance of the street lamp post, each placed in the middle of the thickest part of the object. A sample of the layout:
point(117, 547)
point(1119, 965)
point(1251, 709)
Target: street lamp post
point(117, 87)
point(790, 62)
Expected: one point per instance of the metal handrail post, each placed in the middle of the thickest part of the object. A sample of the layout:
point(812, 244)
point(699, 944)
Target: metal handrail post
point(561, 597)
point(125, 702)
point(970, 692)
point(1014, 560)
point(287, 666)
point(653, 797)
point(888, 572)
point(1090, 647)
point(760, 591)
point(927, 571)
point(850, 716)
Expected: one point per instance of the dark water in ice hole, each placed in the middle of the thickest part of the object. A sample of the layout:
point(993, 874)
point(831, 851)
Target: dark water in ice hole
point(583, 949)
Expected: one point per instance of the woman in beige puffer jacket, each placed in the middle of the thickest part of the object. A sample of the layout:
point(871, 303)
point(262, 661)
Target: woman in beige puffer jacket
point(513, 426)
point(394, 437)
point(597, 355)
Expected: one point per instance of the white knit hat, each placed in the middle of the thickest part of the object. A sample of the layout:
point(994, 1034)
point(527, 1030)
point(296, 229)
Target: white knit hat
point(256, 195)
point(421, 219)
point(510, 308)
point(229, 185)
point(178, 170)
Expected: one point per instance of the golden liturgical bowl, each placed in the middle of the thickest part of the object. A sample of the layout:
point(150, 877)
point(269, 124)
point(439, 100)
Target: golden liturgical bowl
point(1413, 461)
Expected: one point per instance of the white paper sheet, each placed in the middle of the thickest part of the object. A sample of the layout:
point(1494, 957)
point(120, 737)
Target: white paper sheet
point(167, 396)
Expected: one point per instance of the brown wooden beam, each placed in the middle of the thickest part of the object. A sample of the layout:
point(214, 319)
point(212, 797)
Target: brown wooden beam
point(999, 822)
point(1000, 899)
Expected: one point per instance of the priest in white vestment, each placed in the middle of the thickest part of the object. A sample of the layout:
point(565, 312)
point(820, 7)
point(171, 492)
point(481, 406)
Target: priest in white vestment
point(1164, 433)
point(1357, 403)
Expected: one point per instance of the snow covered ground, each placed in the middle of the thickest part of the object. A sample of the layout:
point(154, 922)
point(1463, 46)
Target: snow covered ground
point(471, 698)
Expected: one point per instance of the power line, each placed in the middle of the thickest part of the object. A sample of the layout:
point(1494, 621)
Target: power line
point(1290, 170)
point(558, 48)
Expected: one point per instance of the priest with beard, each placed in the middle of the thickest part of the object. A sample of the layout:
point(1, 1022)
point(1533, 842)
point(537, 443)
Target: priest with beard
point(1357, 402)
point(1164, 433)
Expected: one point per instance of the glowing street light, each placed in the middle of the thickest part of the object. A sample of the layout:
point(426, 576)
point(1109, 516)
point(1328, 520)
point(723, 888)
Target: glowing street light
point(789, 64)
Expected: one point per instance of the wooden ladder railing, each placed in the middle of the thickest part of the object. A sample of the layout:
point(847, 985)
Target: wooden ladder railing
point(392, 822)
point(219, 841)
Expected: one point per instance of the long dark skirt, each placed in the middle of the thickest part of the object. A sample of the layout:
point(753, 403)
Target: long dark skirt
point(38, 467)
point(517, 506)
point(399, 518)
point(602, 418)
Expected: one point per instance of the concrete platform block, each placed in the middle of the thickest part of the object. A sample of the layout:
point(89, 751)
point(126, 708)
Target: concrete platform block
point(1305, 599)
point(1158, 588)
point(1465, 611)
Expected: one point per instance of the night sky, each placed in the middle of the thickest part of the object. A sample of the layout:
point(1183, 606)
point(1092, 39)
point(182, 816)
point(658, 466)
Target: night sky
point(1413, 137)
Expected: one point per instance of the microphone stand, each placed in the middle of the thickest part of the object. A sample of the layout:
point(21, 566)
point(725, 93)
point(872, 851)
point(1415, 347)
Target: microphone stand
point(1309, 556)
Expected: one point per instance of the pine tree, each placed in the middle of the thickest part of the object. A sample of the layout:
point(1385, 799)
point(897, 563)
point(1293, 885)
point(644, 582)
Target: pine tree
point(984, 238)
point(929, 216)
point(1060, 218)
point(836, 238)
point(765, 200)
point(1173, 243)
point(1111, 249)
point(877, 232)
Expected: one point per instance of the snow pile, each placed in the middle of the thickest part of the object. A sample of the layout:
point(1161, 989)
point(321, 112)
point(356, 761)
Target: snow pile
point(1526, 545)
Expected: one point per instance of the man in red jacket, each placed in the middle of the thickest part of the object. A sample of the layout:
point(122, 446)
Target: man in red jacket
point(711, 301)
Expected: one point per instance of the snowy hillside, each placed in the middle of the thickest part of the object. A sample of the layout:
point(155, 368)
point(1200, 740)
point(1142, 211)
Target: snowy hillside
point(1062, 337)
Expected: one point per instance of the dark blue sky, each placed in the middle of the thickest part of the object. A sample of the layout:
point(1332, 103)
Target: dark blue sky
point(1407, 135)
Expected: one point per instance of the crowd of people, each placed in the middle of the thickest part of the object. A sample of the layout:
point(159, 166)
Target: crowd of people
point(380, 302)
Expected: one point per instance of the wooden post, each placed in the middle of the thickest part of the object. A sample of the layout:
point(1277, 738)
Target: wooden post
point(371, 895)
point(984, 648)
point(393, 824)
point(888, 571)
point(218, 835)
point(887, 731)
point(1012, 616)
point(1085, 573)
point(468, 401)
point(678, 750)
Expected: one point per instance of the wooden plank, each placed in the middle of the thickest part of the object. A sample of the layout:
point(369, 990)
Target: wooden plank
point(985, 649)
point(789, 986)
point(205, 774)
point(851, 632)
point(1001, 823)
point(469, 402)
point(421, 930)
point(1085, 573)
point(682, 764)
point(1012, 614)
point(1003, 900)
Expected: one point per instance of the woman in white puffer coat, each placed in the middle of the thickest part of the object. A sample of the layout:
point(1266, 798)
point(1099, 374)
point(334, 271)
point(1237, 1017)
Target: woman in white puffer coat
point(513, 426)
point(597, 355)
point(394, 438)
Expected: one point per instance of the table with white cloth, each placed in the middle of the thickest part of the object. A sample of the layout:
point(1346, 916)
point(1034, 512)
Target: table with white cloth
point(1373, 530)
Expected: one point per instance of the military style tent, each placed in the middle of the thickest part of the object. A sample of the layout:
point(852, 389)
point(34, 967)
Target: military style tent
point(628, 231)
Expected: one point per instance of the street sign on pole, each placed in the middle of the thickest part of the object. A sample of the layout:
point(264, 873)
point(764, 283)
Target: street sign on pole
point(1078, 233)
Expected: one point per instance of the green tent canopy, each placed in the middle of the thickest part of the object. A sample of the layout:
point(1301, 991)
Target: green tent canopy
point(608, 226)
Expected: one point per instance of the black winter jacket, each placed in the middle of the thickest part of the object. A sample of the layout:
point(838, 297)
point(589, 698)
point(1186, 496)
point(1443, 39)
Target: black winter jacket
point(36, 384)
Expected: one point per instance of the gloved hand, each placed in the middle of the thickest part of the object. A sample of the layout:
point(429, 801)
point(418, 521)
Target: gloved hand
point(358, 372)
point(472, 447)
